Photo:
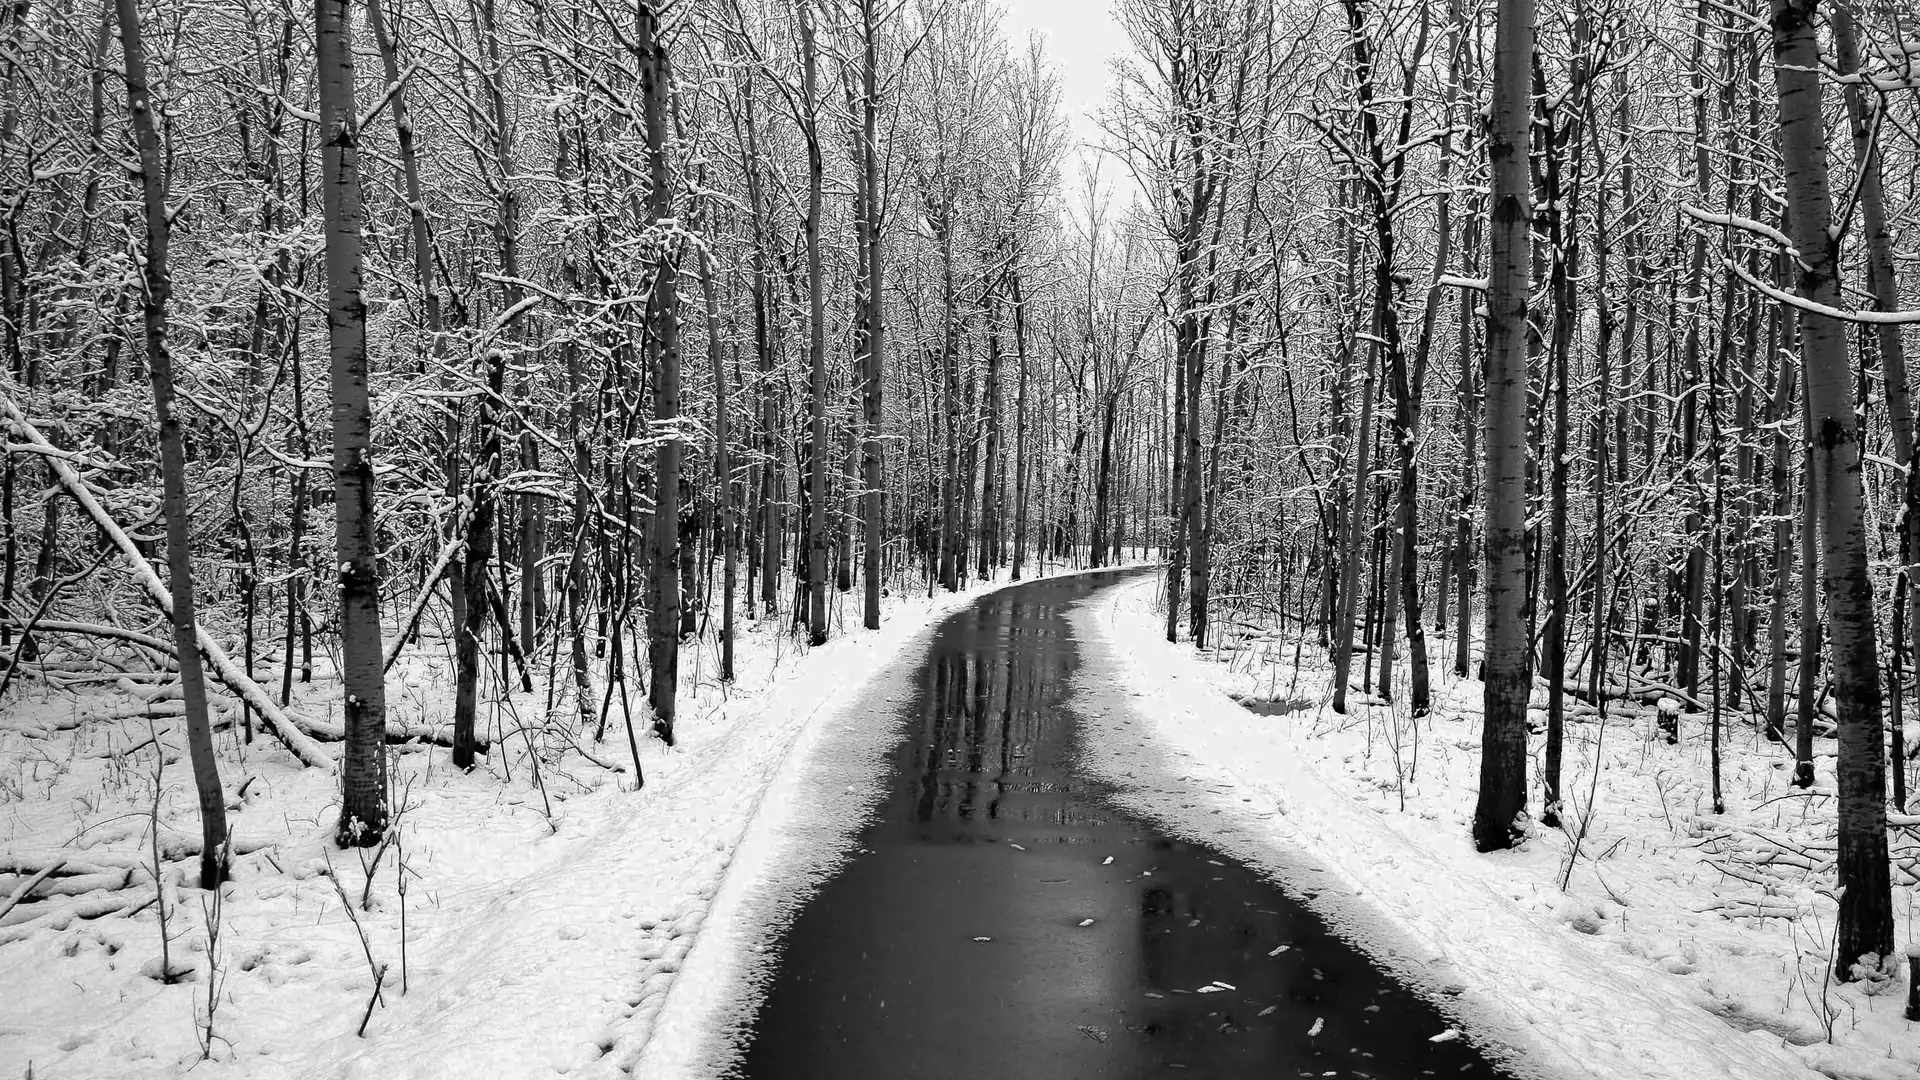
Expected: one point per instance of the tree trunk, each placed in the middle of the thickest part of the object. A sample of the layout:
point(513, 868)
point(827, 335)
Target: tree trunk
point(969, 466)
point(1864, 941)
point(1463, 520)
point(1562, 241)
point(1191, 502)
point(722, 465)
point(1353, 550)
point(663, 347)
point(989, 513)
point(872, 450)
point(363, 806)
point(472, 585)
point(158, 288)
point(772, 487)
point(1103, 481)
point(816, 523)
point(1019, 427)
point(950, 400)
point(1864, 118)
point(1503, 752)
point(1812, 632)
point(1176, 485)
point(583, 512)
point(1777, 414)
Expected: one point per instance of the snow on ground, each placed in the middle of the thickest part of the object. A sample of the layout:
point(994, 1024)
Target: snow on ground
point(546, 915)
point(1683, 944)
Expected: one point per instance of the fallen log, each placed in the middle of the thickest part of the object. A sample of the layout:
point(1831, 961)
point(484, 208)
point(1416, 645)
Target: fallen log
point(159, 710)
point(61, 917)
point(57, 626)
point(56, 862)
point(20, 893)
point(297, 741)
point(88, 907)
point(47, 729)
point(397, 732)
point(318, 730)
point(174, 847)
point(183, 847)
point(71, 885)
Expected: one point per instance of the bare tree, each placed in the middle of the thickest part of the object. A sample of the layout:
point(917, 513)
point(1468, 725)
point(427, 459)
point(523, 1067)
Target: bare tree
point(1865, 936)
point(363, 805)
point(663, 354)
point(1508, 661)
point(157, 289)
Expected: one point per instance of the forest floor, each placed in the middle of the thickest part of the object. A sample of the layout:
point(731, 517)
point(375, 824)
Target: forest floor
point(1648, 937)
point(544, 916)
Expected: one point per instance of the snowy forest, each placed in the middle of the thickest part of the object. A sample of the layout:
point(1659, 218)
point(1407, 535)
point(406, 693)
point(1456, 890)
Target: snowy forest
point(484, 449)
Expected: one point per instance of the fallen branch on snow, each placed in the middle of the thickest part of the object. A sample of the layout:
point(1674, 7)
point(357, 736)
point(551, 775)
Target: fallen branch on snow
point(55, 626)
point(89, 908)
point(20, 893)
point(302, 745)
point(298, 734)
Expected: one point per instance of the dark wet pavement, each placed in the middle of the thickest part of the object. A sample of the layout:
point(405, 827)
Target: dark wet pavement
point(1001, 919)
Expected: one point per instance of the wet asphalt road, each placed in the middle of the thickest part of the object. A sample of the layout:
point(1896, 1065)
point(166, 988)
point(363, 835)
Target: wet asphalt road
point(1003, 920)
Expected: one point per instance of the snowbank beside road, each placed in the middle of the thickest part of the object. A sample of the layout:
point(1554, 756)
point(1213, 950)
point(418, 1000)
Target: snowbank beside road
point(1625, 975)
point(548, 913)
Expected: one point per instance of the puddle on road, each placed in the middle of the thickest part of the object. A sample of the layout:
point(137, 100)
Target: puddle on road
point(1002, 919)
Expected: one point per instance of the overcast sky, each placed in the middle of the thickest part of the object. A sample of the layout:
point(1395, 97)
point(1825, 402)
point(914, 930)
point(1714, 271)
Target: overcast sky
point(1082, 37)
